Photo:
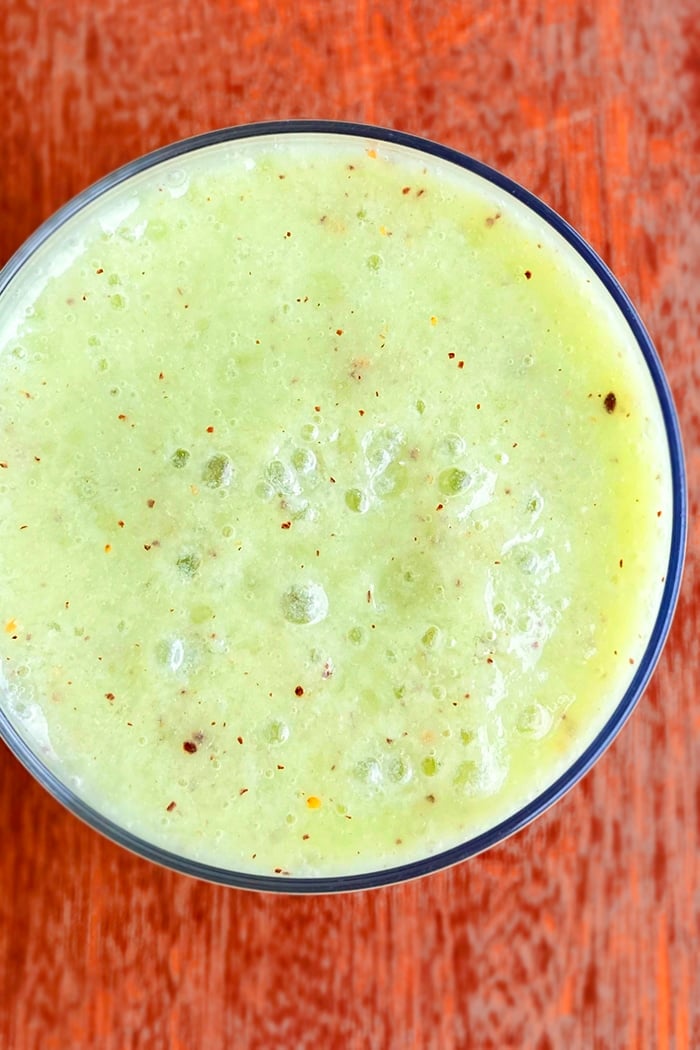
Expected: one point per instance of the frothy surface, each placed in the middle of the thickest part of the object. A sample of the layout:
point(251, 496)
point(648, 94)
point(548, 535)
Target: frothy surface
point(336, 506)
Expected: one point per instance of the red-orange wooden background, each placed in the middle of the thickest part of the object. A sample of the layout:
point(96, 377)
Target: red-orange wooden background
point(580, 932)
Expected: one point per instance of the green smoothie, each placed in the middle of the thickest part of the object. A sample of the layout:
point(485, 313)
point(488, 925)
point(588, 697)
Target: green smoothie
point(335, 500)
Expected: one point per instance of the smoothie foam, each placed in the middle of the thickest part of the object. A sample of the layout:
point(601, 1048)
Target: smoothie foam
point(335, 500)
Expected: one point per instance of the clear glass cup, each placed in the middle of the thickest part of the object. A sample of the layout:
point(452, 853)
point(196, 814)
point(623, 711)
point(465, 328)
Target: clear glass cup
point(42, 240)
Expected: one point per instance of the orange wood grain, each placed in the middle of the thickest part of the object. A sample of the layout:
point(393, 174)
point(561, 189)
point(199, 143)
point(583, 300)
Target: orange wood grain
point(580, 932)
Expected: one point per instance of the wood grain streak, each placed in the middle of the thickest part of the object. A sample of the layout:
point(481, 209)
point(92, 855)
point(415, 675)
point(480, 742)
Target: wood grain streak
point(580, 932)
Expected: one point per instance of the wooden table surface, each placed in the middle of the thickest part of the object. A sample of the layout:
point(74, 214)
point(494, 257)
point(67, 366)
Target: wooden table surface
point(582, 930)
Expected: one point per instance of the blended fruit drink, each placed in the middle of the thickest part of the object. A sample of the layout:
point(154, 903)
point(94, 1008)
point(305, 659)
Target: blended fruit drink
point(336, 505)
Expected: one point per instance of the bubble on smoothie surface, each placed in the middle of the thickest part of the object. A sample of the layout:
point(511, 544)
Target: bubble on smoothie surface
point(188, 564)
point(309, 432)
point(400, 771)
point(218, 471)
point(171, 652)
point(431, 638)
point(357, 501)
point(453, 444)
point(453, 480)
point(276, 732)
point(369, 771)
point(305, 603)
point(535, 504)
point(282, 478)
point(535, 721)
point(179, 458)
point(304, 460)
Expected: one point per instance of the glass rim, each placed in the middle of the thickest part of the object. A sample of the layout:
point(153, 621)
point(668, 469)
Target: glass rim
point(327, 884)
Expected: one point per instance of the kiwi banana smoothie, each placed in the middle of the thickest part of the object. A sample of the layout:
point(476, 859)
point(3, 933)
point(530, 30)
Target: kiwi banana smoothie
point(335, 502)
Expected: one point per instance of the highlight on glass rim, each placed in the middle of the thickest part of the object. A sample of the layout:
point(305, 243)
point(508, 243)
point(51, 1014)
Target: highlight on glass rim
point(343, 505)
